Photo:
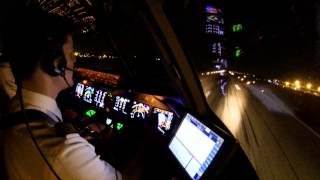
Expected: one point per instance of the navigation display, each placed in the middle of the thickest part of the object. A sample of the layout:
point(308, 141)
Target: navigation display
point(79, 90)
point(99, 98)
point(164, 119)
point(88, 94)
point(92, 95)
point(121, 104)
point(139, 110)
point(195, 146)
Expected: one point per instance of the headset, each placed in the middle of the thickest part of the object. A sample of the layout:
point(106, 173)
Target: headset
point(53, 61)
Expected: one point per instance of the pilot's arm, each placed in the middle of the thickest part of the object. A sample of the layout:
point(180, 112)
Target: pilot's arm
point(7, 81)
point(78, 160)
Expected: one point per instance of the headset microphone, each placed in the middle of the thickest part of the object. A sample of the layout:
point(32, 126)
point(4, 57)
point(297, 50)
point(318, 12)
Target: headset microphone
point(65, 80)
point(63, 75)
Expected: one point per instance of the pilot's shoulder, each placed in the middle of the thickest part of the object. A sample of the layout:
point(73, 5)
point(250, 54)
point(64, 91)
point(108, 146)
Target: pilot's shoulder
point(75, 145)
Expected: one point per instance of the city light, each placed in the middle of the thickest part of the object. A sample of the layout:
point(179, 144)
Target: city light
point(296, 85)
point(238, 87)
point(287, 83)
point(309, 86)
point(91, 55)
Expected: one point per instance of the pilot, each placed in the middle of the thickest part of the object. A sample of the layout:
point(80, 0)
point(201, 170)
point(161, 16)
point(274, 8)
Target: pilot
point(41, 47)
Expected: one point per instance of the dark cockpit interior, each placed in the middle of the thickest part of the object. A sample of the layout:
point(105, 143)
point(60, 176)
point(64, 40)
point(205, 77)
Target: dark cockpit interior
point(135, 83)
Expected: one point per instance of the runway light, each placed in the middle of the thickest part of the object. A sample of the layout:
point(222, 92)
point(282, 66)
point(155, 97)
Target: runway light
point(242, 79)
point(287, 83)
point(309, 85)
point(238, 87)
point(248, 82)
point(319, 88)
point(297, 82)
point(253, 82)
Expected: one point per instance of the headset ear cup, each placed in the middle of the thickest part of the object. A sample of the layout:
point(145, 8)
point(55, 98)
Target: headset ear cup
point(60, 65)
point(53, 61)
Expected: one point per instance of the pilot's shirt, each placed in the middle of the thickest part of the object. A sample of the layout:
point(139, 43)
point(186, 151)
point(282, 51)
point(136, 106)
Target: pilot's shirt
point(7, 81)
point(7, 86)
point(72, 157)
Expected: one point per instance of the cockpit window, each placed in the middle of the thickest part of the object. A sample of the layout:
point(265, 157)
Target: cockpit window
point(258, 64)
point(122, 43)
point(115, 37)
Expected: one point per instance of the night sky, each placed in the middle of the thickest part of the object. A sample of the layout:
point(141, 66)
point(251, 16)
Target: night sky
point(280, 38)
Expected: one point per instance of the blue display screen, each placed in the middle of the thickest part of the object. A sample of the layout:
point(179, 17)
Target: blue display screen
point(164, 119)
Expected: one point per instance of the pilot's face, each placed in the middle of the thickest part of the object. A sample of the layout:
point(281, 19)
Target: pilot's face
point(68, 51)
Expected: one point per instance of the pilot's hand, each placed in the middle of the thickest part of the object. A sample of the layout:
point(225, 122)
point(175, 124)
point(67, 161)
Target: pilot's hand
point(93, 131)
point(72, 116)
point(69, 115)
point(97, 127)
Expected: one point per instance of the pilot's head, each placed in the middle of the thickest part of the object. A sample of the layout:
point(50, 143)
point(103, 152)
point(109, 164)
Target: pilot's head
point(40, 47)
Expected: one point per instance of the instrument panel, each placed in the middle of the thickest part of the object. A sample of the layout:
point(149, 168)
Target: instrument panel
point(121, 107)
point(159, 125)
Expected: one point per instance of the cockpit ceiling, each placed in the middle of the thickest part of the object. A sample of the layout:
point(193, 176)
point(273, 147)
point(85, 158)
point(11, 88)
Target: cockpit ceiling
point(77, 10)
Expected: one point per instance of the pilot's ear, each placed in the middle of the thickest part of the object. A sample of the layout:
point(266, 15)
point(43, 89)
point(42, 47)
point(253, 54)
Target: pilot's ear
point(68, 49)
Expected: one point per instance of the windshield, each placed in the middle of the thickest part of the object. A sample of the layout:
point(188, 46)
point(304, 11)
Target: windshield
point(259, 68)
point(122, 44)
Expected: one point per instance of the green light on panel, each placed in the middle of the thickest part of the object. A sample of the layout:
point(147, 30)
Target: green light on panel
point(238, 53)
point(90, 113)
point(237, 27)
point(111, 126)
point(119, 126)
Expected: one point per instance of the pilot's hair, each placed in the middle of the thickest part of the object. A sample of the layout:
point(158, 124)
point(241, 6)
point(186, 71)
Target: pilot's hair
point(31, 36)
